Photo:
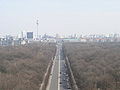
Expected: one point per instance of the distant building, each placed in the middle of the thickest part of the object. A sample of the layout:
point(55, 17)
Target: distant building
point(71, 40)
point(23, 42)
point(29, 35)
point(83, 40)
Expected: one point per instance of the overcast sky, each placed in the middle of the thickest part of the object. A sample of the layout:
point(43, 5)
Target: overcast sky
point(60, 16)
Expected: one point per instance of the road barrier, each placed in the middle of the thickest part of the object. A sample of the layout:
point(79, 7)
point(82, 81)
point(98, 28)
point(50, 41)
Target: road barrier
point(46, 77)
point(72, 79)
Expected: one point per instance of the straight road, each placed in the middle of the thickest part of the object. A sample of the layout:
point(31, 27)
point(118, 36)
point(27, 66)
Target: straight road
point(59, 79)
point(53, 80)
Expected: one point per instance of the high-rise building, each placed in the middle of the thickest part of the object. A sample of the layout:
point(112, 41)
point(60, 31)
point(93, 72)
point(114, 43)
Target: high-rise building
point(29, 35)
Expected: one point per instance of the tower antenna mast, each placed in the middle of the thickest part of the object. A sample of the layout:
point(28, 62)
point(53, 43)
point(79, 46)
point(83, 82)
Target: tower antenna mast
point(37, 27)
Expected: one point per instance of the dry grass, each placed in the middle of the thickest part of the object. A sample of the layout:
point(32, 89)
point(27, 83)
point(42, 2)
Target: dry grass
point(23, 67)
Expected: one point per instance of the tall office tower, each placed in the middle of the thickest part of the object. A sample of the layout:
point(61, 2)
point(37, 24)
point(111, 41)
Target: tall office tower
point(29, 35)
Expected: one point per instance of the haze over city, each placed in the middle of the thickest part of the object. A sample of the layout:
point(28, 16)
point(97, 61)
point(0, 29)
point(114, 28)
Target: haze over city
point(59, 44)
point(60, 16)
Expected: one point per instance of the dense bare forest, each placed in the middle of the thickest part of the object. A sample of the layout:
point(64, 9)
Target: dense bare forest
point(96, 66)
point(23, 67)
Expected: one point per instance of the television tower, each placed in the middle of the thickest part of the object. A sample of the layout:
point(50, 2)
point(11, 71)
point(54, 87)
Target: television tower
point(37, 27)
point(22, 34)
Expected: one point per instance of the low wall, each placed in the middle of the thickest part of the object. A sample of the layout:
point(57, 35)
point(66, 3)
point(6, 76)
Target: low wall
point(72, 79)
point(46, 76)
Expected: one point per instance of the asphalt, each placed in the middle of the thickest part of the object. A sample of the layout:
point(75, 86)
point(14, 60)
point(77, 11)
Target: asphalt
point(59, 79)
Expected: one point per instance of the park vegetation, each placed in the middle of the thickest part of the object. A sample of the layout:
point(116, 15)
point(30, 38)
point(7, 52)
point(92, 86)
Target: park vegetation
point(96, 66)
point(23, 67)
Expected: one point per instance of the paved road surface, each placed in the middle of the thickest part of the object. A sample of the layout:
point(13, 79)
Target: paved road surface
point(59, 79)
point(65, 85)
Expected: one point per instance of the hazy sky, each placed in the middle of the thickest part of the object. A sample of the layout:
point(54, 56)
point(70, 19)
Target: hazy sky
point(60, 16)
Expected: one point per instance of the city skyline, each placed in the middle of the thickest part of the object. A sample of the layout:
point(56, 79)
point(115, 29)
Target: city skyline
point(59, 16)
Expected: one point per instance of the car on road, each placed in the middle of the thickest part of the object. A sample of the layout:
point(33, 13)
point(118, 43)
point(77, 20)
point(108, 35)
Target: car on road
point(68, 87)
point(60, 82)
point(64, 79)
point(66, 75)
